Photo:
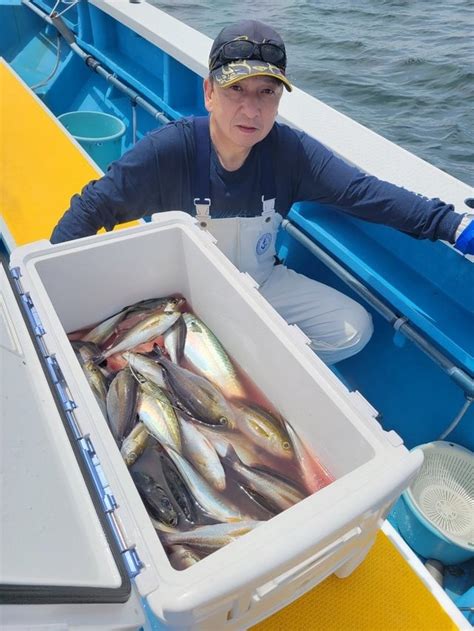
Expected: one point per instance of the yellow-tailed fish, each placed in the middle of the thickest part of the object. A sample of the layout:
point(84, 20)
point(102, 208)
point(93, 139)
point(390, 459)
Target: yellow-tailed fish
point(198, 397)
point(211, 501)
point(264, 430)
point(122, 404)
point(174, 339)
point(201, 453)
point(146, 367)
point(315, 476)
point(134, 444)
point(156, 411)
point(204, 352)
point(182, 557)
point(206, 538)
point(97, 382)
point(280, 493)
point(104, 329)
point(146, 330)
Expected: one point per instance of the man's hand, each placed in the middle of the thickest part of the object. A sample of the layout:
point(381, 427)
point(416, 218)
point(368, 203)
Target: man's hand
point(465, 240)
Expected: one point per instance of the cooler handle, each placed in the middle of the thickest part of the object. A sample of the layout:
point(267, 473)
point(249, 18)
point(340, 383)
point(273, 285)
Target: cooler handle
point(305, 566)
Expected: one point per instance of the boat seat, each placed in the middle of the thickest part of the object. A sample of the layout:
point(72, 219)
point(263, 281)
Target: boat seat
point(42, 166)
point(423, 281)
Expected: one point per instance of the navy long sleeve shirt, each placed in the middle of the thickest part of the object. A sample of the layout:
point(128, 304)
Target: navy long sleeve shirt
point(157, 174)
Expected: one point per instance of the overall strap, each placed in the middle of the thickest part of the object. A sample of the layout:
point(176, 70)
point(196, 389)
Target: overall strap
point(267, 181)
point(201, 181)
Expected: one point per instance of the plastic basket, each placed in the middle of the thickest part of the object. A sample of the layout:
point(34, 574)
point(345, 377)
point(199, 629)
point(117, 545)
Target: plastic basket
point(436, 515)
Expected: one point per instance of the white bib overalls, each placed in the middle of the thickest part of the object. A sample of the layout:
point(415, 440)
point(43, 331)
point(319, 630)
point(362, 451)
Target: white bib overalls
point(337, 326)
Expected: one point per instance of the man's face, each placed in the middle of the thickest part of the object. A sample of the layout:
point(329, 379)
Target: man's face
point(243, 113)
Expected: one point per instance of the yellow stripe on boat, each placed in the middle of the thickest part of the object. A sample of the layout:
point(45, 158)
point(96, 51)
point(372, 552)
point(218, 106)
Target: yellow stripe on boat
point(383, 594)
point(41, 166)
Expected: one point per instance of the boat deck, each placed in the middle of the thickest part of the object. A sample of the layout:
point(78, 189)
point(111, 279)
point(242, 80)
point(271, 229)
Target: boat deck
point(41, 169)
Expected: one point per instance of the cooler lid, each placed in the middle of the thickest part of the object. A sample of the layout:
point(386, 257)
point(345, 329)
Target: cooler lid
point(56, 541)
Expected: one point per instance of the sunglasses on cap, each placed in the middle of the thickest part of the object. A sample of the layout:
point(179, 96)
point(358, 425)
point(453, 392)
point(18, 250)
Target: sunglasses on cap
point(246, 49)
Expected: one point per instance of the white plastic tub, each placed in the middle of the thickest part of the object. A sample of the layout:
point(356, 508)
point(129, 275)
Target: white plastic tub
point(78, 283)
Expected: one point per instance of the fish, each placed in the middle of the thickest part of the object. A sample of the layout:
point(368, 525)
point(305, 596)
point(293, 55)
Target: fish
point(85, 351)
point(146, 367)
point(157, 413)
point(121, 404)
point(182, 557)
point(134, 444)
point(155, 498)
point(280, 493)
point(199, 398)
point(178, 489)
point(174, 340)
point(97, 382)
point(146, 330)
point(221, 438)
point(105, 328)
point(201, 453)
point(206, 538)
point(212, 502)
point(155, 304)
point(264, 430)
point(206, 355)
point(314, 475)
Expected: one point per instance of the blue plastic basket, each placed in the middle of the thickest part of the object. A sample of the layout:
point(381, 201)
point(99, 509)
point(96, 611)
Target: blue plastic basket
point(100, 134)
point(435, 515)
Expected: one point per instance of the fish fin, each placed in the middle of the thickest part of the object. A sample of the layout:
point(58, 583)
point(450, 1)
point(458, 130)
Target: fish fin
point(231, 455)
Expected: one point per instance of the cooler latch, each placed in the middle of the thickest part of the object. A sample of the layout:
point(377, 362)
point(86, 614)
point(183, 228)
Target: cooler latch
point(100, 483)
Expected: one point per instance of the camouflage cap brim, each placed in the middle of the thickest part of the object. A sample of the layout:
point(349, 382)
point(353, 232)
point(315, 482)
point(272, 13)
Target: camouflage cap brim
point(237, 70)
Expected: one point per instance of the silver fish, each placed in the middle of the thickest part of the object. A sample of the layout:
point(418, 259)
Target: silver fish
point(221, 438)
point(156, 498)
point(202, 454)
point(182, 557)
point(207, 356)
point(210, 500)
point(85, 351)
point(122, 404)
point(206, 538)
point(171, 303)
point(146, 330)
point(174, 339)
point(199, 398)
point(157, 413)
point(134, 444)
point(146, 367)
point(281, 494)
point(265, 430)
point(104, 329)
point(314, 475)
point(97, 382)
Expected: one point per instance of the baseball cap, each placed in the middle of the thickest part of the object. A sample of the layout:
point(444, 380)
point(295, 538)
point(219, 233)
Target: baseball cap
point(247, 49)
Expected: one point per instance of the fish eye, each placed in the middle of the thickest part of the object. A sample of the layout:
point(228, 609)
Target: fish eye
point(223, 420)
point(286, 445)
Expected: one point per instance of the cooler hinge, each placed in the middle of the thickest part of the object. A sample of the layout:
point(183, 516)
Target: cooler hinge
point(101, 485)
point(109, 504)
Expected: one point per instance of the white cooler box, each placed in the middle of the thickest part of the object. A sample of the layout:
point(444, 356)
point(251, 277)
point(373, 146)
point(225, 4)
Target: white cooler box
point(77, 547)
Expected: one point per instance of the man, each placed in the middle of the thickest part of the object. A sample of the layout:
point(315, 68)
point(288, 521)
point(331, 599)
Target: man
point(239, 173)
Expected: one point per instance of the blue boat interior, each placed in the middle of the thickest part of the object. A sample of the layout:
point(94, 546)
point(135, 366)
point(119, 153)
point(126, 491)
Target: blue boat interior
point(418, 390)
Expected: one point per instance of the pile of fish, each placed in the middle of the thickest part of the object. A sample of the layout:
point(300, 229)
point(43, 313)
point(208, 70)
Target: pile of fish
point(210, 460)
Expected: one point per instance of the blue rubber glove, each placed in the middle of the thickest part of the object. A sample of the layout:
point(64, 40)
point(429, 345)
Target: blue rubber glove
point(465, 242)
